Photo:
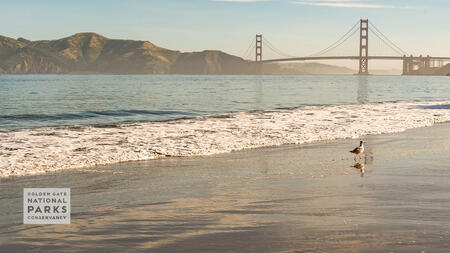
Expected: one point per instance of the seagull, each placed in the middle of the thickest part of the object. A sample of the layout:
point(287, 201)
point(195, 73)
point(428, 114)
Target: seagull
point(359, 150)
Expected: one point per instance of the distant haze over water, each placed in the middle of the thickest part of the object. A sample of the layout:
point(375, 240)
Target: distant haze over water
point(30, 101)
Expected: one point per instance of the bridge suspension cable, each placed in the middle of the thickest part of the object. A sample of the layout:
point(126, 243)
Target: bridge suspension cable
point(249, 51)
point(387, 44)
point(275, 49)
point(339, 42)
point(381, 42)
point(386, 40)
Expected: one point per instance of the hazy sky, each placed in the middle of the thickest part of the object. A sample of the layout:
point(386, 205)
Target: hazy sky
point(297, 27)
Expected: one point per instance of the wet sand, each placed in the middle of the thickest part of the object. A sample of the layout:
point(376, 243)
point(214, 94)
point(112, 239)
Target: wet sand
point(305, 198)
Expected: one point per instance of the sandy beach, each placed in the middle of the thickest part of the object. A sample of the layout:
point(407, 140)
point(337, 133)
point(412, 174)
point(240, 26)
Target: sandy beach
point(303, 198)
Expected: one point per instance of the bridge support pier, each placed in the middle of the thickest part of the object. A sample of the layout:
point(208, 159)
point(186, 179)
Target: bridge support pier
point(364, 47)
point(411, 64)
point(405, 65)
point(419, 65)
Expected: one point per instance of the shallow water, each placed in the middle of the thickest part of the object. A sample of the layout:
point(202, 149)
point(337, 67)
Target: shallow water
point(29, 101)
point(298, 197)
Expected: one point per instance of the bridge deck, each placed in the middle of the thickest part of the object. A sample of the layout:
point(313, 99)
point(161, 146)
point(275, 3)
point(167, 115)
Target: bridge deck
point(354, 58)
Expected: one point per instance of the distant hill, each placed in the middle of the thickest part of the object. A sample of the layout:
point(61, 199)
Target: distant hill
point(312, 68)
point(443, 71)
point(84, 53)
point(211, 62)
point(93, 53)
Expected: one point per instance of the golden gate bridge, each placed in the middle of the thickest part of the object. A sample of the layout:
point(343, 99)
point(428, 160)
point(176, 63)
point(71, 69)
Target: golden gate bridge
point(410, 63)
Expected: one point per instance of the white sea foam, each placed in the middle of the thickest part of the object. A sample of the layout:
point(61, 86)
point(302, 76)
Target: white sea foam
point(55, 148)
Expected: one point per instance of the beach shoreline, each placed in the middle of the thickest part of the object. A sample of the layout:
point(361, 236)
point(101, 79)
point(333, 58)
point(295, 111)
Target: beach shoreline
point(37, 151)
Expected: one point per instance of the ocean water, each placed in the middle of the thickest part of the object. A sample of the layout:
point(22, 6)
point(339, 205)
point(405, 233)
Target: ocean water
point(32, 101)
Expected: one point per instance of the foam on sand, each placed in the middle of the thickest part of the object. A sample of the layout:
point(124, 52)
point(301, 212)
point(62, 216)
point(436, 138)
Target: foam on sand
point(53, 148)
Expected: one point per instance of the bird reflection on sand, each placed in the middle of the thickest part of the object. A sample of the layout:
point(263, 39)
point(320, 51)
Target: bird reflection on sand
point(360, 167)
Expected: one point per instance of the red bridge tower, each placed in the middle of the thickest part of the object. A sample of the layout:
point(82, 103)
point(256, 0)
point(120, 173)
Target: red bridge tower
point(364, 47)
point(258, 47)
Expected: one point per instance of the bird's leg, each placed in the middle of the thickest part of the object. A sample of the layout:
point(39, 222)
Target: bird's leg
point(354, 158)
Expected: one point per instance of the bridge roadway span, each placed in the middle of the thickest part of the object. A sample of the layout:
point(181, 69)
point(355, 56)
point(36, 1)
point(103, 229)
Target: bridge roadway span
point(355, 58)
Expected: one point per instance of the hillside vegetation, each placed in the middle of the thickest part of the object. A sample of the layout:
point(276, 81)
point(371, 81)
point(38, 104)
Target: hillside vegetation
point(93, 53)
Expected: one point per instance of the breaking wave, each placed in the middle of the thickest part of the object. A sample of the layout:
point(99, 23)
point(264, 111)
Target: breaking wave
point(31, 151)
